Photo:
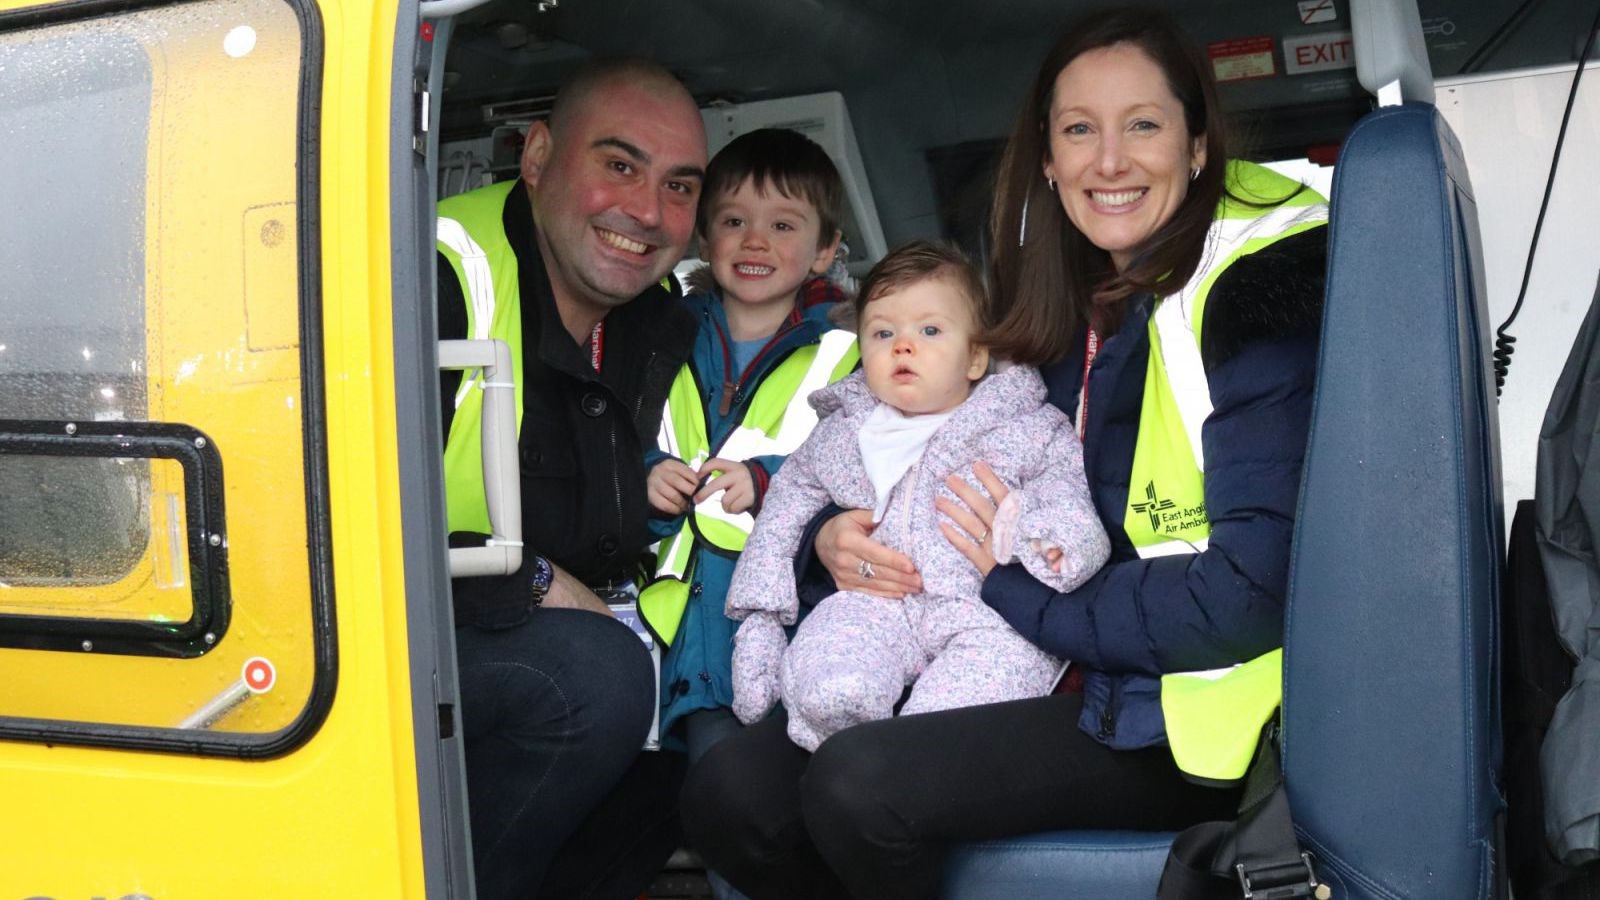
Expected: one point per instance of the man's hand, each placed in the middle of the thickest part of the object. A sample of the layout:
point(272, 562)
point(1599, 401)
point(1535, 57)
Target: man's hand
point(669, 486)
point(567, 592)
point(735, 481)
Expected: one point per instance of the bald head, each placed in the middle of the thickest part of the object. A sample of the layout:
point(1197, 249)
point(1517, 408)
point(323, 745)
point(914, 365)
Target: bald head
point(598, 77)
point(613, 178)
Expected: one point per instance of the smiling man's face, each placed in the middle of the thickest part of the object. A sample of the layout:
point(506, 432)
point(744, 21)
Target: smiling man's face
point(614, 189)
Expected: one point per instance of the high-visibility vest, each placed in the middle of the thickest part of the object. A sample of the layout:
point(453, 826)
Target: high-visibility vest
point(471, 235)
point(775, 423)
point(1213, 718)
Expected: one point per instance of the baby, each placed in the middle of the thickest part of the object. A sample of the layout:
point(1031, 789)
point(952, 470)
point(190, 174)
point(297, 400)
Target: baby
point(920, 410)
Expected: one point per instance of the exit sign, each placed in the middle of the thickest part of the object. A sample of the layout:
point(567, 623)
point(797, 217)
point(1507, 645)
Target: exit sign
point(1318, 52)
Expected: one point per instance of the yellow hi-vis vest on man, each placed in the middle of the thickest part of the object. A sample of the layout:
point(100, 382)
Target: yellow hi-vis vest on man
point(1213, 718)
point(471, 234)
point(775, 423)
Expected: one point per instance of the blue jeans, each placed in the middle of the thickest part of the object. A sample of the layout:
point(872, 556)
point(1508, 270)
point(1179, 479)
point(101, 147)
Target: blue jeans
point(562, 801)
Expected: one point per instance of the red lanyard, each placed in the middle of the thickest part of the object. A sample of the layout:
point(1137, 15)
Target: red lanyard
point(1091, 346)
point(597, 344)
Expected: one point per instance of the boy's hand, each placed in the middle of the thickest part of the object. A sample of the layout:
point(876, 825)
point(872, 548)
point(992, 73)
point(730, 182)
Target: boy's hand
point(736, 483)
point(669, 486)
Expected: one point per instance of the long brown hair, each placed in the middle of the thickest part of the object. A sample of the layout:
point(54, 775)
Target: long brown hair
point(1045, 289)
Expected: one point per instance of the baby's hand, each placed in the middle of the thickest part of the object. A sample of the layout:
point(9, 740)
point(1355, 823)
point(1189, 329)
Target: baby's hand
point(737, 485)
point(669, 486)
point(1053, 556)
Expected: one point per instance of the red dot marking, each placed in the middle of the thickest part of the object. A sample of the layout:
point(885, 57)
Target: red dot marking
point(259, 675)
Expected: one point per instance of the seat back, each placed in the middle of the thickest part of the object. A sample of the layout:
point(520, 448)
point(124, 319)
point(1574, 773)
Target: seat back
point(1391, 721)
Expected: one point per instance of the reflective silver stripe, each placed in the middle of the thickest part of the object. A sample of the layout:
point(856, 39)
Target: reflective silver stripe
point(1186, 372)
point(1180, 351)
point(798, 417)
point(711, 508)
point(1205, 674)
point(667, 437)
point(674, 562)
point(1173, 548)
point(480, 287)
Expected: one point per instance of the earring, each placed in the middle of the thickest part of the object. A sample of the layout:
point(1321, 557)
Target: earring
point(1194, 173)
point(1052, 182)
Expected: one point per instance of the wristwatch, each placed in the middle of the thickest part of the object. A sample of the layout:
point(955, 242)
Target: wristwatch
point(543, 576)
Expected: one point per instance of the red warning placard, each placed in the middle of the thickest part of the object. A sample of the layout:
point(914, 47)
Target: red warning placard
point(1240, 59)
point(258, 675)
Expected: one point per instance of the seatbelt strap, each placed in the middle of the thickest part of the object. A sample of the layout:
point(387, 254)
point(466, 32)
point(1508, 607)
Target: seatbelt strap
point(1257, 856)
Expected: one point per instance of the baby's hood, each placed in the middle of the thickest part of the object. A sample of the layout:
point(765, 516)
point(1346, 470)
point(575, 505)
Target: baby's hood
point(1004, 396)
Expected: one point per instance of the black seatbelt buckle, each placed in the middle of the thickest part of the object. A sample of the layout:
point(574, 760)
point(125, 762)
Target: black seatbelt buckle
point(1282, 881)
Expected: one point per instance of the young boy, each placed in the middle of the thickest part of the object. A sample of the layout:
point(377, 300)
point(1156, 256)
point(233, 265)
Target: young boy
point(769, 226)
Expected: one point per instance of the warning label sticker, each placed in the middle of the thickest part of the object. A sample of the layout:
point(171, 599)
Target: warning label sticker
point(1313, 12)
point(1240, 59)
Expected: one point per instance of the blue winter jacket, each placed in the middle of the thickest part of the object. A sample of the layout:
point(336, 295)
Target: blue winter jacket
point(1139, 618)
point(696, 671)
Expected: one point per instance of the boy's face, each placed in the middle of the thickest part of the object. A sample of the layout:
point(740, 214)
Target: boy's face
point(763, 247)
point(917, 349)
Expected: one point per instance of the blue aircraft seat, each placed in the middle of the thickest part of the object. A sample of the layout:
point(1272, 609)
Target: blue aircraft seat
point(1391, 734)
point(1391, 703)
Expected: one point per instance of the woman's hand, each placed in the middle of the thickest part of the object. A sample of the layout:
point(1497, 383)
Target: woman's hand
point(968, 529)
point(849, 553)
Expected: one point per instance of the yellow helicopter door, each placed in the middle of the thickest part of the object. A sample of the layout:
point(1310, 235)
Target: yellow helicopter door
point(219, 560)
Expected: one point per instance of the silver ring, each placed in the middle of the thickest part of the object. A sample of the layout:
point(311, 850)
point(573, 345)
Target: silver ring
point(865, 570)
point(983, 537)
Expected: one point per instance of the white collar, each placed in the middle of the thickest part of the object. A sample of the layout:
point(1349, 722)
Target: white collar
point(891, 443)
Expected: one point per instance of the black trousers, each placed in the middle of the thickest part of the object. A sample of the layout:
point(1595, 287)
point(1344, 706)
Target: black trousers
point(873, 813)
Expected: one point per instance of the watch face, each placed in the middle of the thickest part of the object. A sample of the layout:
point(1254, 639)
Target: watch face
point(543, 575)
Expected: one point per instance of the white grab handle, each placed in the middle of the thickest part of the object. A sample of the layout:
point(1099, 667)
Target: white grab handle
point(502, 478)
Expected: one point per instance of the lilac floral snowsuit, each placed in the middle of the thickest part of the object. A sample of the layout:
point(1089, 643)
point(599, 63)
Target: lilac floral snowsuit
point(854, 655)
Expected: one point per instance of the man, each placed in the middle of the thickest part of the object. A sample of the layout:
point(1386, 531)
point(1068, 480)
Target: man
point(568, 266)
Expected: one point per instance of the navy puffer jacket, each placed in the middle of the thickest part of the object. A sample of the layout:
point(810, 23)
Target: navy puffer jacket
point(1139, 618)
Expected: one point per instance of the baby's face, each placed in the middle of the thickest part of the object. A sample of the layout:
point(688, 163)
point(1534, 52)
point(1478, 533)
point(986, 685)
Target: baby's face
point(917, 349)
point(763, 245)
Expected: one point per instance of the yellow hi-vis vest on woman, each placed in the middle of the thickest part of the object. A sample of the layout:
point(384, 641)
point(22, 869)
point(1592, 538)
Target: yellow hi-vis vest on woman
point(776, 422)
point(1213, 718)
point(471, 234)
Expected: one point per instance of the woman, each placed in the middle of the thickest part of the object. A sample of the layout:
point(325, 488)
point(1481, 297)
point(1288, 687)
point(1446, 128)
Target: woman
point(1172, 300)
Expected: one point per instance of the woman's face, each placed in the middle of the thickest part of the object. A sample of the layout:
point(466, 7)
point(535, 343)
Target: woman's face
point(1119, 148)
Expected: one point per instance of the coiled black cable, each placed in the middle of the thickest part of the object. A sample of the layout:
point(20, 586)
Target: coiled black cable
point(1504, 343)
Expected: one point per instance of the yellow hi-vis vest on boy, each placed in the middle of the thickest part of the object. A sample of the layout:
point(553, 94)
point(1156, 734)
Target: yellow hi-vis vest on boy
point(1212, 718)
point(471, 235)
point(775, 423)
